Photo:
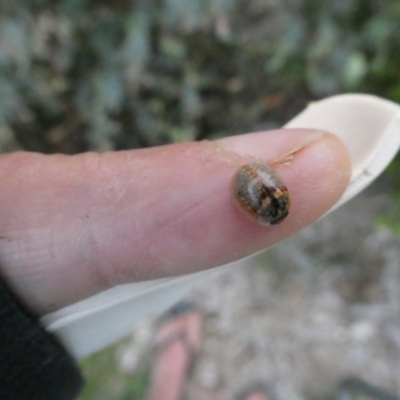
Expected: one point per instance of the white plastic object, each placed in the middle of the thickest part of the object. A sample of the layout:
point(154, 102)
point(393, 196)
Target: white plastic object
point(368, 125)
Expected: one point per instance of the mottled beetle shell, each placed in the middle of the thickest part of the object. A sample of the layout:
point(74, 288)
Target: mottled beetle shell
point(259, 192)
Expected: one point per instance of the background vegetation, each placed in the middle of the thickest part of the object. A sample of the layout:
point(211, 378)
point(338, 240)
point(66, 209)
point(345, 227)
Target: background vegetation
point(103, 75)
point(79, 75)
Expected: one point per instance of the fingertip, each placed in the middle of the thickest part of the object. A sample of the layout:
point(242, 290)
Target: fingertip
point(316, 173)
point(315, 166)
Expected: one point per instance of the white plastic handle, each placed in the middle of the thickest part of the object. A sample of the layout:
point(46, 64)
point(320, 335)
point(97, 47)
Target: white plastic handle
point(369, 126)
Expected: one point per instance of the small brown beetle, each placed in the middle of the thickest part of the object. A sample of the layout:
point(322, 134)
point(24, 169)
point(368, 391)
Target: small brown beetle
point(259, 192)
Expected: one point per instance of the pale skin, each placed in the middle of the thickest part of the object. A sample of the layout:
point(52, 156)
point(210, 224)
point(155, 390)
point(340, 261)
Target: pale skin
point(72, 226)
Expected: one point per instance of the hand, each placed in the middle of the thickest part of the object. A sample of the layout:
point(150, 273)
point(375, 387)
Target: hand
point(71, 226)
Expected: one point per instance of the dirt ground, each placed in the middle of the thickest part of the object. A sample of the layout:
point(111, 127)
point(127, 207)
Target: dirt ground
point(321, 307)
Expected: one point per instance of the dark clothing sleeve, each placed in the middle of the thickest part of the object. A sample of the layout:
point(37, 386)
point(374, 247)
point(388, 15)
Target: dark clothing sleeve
point(33, 364)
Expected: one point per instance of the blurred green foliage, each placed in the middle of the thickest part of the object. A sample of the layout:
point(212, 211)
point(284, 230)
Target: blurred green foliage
point(105, 380)
point(81, 74)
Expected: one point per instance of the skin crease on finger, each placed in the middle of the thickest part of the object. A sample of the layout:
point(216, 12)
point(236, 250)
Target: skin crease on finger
point(71, 226)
